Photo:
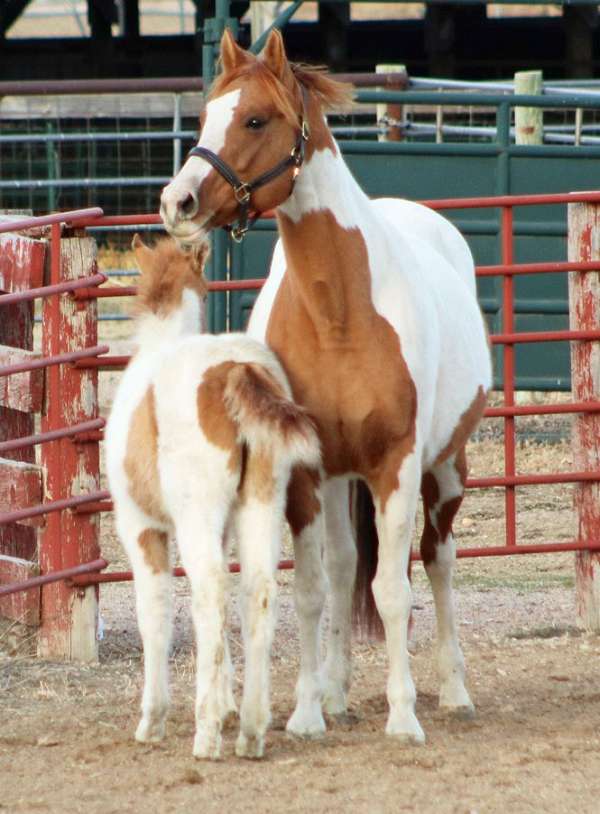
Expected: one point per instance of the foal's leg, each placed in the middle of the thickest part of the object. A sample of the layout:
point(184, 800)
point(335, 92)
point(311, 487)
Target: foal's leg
point(305, 515)
point(340, 564)
point(395, 517)
point(199, 538)
point(260, 526)
point(148, 552)
point(442, 490)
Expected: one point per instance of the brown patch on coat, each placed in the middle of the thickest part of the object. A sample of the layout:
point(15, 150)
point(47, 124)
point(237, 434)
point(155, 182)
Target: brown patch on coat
point(141, 458)
point(155, 547)
point(430, 492)
point(215, 422)
point(343, 359)
point(166, 271)
point(466, 425)
point(259, 478)
point(303, 503)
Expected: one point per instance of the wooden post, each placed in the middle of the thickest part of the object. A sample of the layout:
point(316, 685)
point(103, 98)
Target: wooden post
point(69, 615)
point(21, 268)
point(584, 314)
point(262, 16)
point(391, 114)
point(529, 121)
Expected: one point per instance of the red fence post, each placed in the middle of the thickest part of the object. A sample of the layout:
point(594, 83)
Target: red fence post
point(69, 614)
point(584, 313)
point(21, 268)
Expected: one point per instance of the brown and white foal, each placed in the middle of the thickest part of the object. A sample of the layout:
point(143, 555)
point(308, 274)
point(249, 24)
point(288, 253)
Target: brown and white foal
point(202, 438)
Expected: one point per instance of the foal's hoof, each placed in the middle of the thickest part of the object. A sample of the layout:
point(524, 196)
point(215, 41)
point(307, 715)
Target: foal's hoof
point(465, 712)
point(150, 731)
point(305, 726)
point(251, 747)
point(207, 748)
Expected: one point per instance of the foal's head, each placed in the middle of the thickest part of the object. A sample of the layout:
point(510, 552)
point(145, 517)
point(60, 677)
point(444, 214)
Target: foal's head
point(252, 123)
point(171, 286)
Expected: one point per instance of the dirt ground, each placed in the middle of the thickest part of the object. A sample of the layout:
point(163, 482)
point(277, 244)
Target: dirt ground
point(66, 731)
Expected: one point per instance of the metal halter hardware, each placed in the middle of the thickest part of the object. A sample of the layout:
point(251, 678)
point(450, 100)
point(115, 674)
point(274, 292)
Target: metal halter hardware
point(243, 190)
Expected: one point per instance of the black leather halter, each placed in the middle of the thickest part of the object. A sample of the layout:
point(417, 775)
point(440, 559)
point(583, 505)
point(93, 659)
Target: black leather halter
point(244, 189)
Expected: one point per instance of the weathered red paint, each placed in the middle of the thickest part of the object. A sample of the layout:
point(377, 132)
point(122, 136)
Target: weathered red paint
point(21, 266)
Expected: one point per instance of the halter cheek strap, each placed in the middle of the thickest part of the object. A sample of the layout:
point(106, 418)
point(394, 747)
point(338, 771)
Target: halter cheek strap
point(244, 189)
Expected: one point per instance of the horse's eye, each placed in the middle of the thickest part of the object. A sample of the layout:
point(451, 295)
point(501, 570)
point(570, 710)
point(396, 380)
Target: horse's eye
point(254, 123)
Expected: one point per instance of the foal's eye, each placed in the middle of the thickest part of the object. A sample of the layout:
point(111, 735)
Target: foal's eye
point(254, 123)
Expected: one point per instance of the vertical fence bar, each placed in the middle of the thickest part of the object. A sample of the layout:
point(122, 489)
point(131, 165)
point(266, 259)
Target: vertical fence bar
point(69, 615)
point(508, 376)
point(584, 313)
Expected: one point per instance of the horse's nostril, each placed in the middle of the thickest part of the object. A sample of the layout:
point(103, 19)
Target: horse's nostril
point(188, 206)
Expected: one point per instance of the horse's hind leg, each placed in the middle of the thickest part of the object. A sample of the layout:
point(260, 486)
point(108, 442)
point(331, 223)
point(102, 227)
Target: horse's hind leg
point(340, 564)
point(305, 515)
point(148, 552)
point(442, 489)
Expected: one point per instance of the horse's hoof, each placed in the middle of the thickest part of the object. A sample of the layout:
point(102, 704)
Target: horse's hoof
point(150, 731)
point(251, 747)
point(405, 728)
point(465, 712)
point(307, 730)
point(207, 748)
point(344, 718)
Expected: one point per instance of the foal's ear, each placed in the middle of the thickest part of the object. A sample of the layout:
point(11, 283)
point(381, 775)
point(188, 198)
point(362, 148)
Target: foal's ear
point(143, 254)
point(200, 254)
point(232, 56)
point(275, 58)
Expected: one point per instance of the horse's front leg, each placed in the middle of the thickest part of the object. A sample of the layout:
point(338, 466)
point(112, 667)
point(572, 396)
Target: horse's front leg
point(340, 564)
point(395, 517)
point(305, 516)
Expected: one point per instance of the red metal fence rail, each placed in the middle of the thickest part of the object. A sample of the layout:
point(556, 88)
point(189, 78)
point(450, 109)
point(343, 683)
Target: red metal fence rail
point(67, 509)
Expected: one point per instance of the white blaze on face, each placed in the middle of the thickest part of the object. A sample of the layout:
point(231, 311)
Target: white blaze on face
point(219, 115)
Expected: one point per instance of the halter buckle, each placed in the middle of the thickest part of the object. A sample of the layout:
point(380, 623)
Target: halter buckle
point(305, 132)
point(238, 232)
point(242, 193)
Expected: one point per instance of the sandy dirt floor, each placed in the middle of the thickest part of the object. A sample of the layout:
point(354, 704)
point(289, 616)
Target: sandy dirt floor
point(66, 731)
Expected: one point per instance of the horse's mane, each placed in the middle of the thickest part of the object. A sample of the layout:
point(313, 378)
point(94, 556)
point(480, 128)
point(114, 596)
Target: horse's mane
point(330, 93)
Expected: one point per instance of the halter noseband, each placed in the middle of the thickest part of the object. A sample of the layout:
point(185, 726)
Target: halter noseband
point(244, 189)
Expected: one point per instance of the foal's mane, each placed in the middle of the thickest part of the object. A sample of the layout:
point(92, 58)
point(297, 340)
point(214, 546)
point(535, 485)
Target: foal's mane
point(166, 271)
point(330, 93)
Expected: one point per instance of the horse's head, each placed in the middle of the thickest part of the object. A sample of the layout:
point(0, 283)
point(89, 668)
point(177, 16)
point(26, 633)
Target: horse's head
point(252, 140)
point(171, 286)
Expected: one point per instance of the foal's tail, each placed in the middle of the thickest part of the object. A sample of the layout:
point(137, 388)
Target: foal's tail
point(267, 419)
point(365, 617)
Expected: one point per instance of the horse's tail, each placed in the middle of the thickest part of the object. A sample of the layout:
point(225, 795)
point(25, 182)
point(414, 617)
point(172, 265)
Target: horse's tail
point(365, 616)
point(267, 419)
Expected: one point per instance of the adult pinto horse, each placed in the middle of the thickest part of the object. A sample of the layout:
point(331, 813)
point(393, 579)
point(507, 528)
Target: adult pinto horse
point(371, 308)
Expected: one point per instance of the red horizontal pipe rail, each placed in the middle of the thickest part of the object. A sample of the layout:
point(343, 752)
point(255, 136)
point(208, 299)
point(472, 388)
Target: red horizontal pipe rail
point(53, 435)
point(535, 268)
point(50, 361)
point(491, 201)
point(131, 290)
point(127, 576)
point(57, 288)
point(73, 216)
point(54, 576)
point(532, 480)
point(543, 409)
point(543, 336)
point(490, 412)
point(462, 553)
point(105, 363)
point(17, 515)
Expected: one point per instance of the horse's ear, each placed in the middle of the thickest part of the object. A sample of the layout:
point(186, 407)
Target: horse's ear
point(275, 58)
point(232, 56)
